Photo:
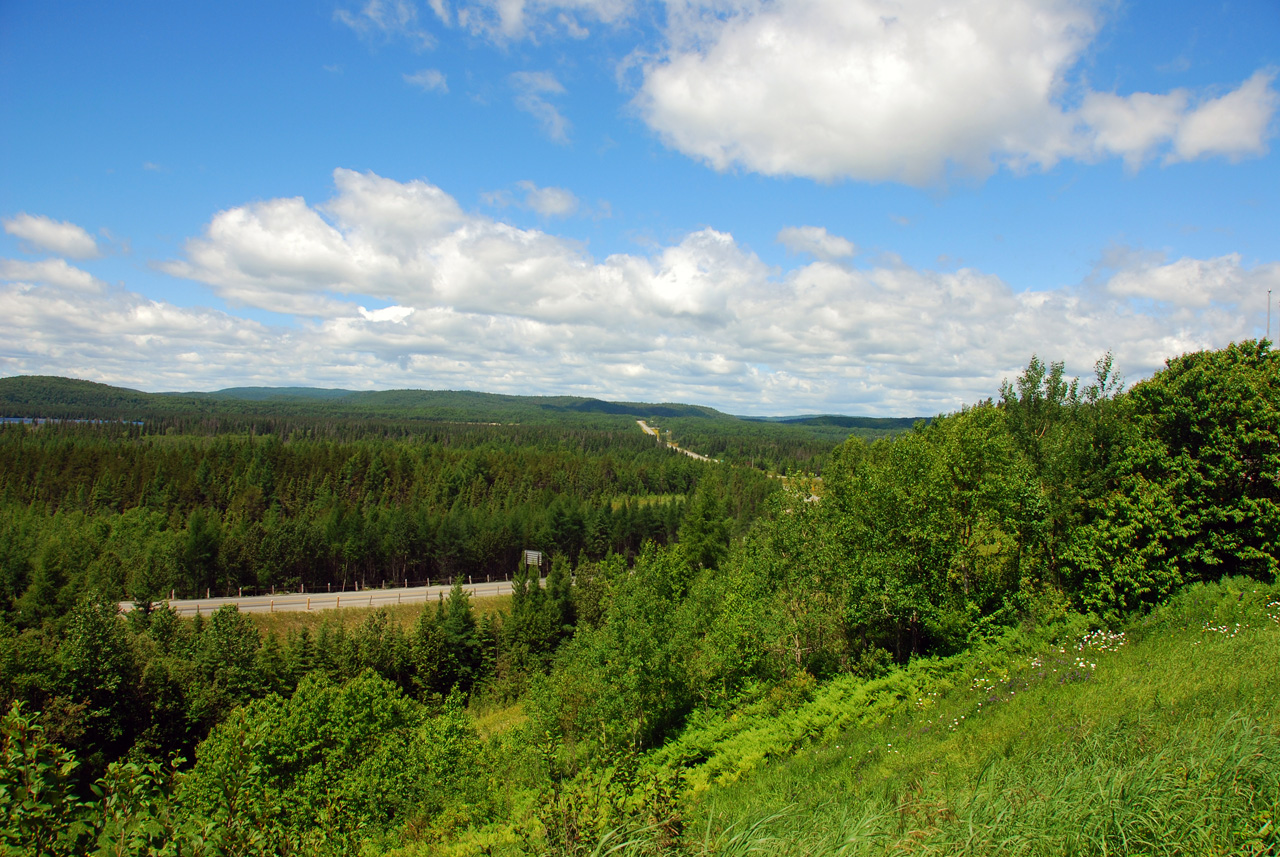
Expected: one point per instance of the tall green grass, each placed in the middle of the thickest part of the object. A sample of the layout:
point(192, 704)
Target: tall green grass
point(1202, 792)
point(1162, 738)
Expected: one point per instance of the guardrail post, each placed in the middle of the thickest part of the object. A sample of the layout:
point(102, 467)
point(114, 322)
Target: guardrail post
point(273, 605)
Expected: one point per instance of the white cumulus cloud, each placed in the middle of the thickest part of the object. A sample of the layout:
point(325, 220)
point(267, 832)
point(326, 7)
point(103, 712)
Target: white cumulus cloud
point(1133, 126)
point(868, 89)
point(546, 201)
point(56, 236)
point(1188, 283)
point(816, 241)
point(883, 90)
point(55, 272)
point(549, 201)
point(394, 314)
point(1234, 125)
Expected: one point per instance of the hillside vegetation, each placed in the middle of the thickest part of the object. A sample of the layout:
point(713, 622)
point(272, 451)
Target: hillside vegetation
point(1158, 738)
point(1044, 624)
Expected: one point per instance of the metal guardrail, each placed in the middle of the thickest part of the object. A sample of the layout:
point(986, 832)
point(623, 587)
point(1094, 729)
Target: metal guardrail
point(287, 602)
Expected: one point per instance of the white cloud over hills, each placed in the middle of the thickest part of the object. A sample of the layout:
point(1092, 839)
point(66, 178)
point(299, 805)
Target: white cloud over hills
point(395, 285)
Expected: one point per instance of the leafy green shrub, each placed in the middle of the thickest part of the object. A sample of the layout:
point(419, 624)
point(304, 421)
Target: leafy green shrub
point(39, 811)
point(334, 766)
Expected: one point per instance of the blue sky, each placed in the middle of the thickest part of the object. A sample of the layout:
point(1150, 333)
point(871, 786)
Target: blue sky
point(767, 206)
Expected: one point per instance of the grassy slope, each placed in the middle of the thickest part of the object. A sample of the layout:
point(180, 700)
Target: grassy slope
point(1169, 745)
point(1055, 739)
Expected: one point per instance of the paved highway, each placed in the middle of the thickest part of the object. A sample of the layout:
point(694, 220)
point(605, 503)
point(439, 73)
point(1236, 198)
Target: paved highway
point(286, 602)
point(650, 430)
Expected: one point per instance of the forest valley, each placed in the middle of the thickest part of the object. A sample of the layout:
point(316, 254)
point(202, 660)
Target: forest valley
point(684, 600)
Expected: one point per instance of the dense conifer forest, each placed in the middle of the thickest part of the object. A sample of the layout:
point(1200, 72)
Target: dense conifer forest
point(711, 644)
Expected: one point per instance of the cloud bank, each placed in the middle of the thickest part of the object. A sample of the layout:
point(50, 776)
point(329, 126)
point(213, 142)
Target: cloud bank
point(395, 285)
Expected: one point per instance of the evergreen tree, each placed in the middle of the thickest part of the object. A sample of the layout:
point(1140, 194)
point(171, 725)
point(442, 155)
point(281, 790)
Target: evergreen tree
point(458, 624)
point(704, 530)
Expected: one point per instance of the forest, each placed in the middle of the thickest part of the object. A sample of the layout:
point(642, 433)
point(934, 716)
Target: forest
point(708, 637)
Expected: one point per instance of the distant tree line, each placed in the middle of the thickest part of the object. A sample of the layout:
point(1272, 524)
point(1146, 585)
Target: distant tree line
point(771, 446)
point(130, 515)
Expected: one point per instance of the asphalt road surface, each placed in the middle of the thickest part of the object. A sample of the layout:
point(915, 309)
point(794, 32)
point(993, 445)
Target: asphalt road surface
point(287, 602)
point(649, 430)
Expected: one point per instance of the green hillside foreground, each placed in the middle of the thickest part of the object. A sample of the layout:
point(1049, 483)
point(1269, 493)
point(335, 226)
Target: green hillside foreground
point(1163, 738)
point(1159, 739)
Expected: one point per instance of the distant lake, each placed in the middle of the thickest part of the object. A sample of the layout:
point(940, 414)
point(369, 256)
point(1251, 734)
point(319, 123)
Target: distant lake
point(41, 420)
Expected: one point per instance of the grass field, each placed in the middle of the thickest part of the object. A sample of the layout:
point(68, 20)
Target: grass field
point(1059, 738)
point(403, 615)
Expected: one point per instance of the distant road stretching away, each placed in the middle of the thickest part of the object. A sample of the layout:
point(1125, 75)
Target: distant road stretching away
point(289, 602)
point(647, 429)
